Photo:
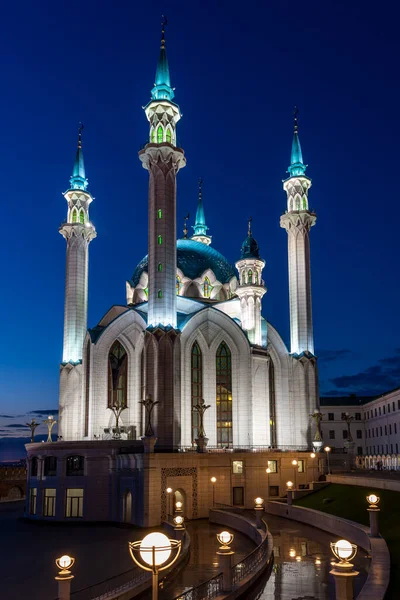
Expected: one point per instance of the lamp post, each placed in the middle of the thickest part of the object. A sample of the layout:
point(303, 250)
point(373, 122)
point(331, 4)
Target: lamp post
point(295, 467)
point(64, 576)
point(373, 510)
point(50, 422)
point(289, 486)
point(225, 554)
point(155, 551)
point(178, 507)
point(169, 491)
point(259, 502)
point(213, 481)
point(179, 527)
point(342, 570)
point(268, 471)
point(327, 450)
point(312, 456)
point(32, 426)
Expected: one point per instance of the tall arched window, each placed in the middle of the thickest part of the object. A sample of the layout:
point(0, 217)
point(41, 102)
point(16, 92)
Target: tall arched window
point(117, 375)
point(168, 135)
point(197, 386)
point(87, 389)
point(159, 135)
point(159, 267)
point(256, 277)
point(178, 285)
point(82, 216)
point(224, 395)
point(159, 240)
point(207, 288)
point(250, 276)
point(153, 136)
point(74, 215)
point(272, 405)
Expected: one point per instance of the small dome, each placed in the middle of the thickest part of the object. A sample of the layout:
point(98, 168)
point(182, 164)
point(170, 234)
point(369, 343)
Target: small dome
point(250, 248)
point(193, 258)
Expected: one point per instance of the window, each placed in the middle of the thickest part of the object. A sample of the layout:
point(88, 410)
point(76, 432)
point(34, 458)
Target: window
point(397, 447)
point(274, 490)
point(376, 431)
point(238, 496)
point(385, 429)
point(87, 388)
point(375, 412)
point(159, 267)
point(300, 466)
point(273, 465)
point(384, 410)
point(395, 428)
point(243, 278)
point(359, 450)
point(34, 467)
point(249, 276)
point(398, 404)
point(256, 277)
point(388, 408)
point(159, 135)
point(380, 430)
point(345, 434)
point(49, 502)
point(331, 434)
point(159, 240)
point(32, 501)
point(50, 466)
point(159, 294)
point(178, 285)
point(358, 416)
point(343, 416)
point(224, 395)
point(159, 213)
point(359, 434)
point(82, 217)
point(74, 215)
point(393, 406)
point(153, 136)
point(390, 430)
point(391, 448)
point(74, 502)
point(207, 288)
point(197, 386)
point(237, 467)
point(331, 417)
point(379, 409)
point(168, 136)
point(117, 376)
point(75, 465)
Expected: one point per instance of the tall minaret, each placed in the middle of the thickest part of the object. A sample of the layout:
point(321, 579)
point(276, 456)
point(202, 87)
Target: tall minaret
point(78, 232)
point(200, 228)
point(163, 159)
point(298, 221)
point(251, 287)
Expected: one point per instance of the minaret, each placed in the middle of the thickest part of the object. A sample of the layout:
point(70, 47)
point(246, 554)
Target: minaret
point(200, 228)
point(298, 221)
point(78, 232)
point(163, 159)
point(251, 287)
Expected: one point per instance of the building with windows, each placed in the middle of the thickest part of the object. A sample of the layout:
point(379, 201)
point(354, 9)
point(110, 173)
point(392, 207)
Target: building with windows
point(192, 329)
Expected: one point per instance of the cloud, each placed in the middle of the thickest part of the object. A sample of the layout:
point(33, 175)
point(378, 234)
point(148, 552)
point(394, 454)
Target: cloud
point(326, 355)
point(43, 412)
point(332, 393)
point(9, 416)
point(377, 379)
point(19, 425)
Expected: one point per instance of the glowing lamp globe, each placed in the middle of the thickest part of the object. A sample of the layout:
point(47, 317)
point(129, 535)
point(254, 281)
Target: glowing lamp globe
point(294, 462)
point(298, 558)
point(343, 550)
point(268, 470)
point(64, 563)
point(168, 490)
point(292, 553)
point(373, 500)
point(225, 538)
point(178, 505)
point(259, 502)
point(327, 449)
point(312, 455)
point(289, 484)
point(213, 479)
point(178, 520)
point(162, 549)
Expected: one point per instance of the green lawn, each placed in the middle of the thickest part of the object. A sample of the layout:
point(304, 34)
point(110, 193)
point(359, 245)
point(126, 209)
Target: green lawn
point(350, 502)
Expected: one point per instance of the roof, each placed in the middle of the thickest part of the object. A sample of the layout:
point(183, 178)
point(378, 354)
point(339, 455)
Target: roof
point(351, 400)
point(193, 258)
point(250, 248)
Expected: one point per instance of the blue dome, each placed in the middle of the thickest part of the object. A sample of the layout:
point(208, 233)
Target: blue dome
point(250, 248)
point(193, 258)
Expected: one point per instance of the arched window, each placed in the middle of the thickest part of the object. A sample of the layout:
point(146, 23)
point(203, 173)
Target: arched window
point(146, 291)
point(250, 276)
point(207, 288)
point(159, 240)
point(243, 278)
point(224, 395)
point(117, 376)
point(159, 213)
point(272, 405)
point(304, 204)
point(74, 215)
point(256, 277)
point(168, 136)
point(197, 386)
point(87, 388)
point(159, 135)
point(50, 466)
point(75, 465)
point(82, 216)
point(178, 285)
point(159, 294)
point(34, 467)
point(159, 268)
point(153, 136)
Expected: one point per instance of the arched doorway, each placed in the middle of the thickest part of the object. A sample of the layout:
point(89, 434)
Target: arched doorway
point(127, 507)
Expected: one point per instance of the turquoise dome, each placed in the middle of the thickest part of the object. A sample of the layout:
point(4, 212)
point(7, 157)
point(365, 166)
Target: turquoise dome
point(193, 258)
point(250, 248)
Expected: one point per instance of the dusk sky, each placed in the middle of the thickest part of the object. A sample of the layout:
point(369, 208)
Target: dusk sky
point(238, 70)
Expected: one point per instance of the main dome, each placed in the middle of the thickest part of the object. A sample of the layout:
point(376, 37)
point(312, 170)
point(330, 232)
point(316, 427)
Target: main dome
point(193, 258)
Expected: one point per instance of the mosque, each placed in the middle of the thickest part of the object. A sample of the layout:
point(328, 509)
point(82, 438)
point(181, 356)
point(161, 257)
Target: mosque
point(191, 330)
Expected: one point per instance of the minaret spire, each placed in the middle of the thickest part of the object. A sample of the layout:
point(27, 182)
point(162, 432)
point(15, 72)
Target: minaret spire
point(200, 228)
point(296, 167)
point(78, 180)
point(162, 86)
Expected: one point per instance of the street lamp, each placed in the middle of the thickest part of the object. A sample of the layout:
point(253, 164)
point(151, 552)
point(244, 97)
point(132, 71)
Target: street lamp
point(213, 481)
point(268, 471)
point(373, 510)
point(312, 456)
point(258, 508)
point(178, 506)
point(50, 422)
point(169, 491)
point(292, 553)
point(225, 554)
point(289, 485)
point(64, 577)
point(295, 467)
point(155, 551)
point(178, 522)
point(327, 450)
point(342, 570)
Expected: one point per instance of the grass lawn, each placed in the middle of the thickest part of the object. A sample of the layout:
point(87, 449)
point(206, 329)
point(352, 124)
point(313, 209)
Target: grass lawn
point(350, 502)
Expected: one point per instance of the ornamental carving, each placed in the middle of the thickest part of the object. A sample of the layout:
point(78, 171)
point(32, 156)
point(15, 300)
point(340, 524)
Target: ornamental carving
point(178, 472)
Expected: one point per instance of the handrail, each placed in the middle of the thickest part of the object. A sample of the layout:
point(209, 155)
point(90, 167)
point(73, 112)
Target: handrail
point(208, 590)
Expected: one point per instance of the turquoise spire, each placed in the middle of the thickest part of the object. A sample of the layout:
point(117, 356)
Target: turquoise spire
point(200, 227)
point(297, 167)
point(162, 89)
point(78, 180)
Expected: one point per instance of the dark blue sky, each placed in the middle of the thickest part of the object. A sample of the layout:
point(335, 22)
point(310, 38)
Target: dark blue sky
point(238, 70)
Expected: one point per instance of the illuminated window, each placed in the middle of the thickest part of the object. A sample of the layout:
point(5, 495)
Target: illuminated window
point(243, 278)
point(178, 285)
point(256, 277)
point(82, 217)
point(273, 465)
point(300, 466)
point(74, 502)
point(159, 294)
point(159, 213)
point(237, 467)
point(153, 136)
point(159, 267)
point(146, 291)
point(159, 135)
point(304, 204)
point(168, 136)
point(117, 376)
point(49, 502)
point(250, 276)
point(207, 288)
point(196, 386)
point(224, 395)
point(74, 215)
point(159, 240)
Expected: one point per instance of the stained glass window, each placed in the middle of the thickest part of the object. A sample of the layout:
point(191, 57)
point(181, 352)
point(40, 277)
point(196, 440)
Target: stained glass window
point(117, 375)
point(159, 135)
point(224, 395)
point(159, 293)
point(153, 136)
point(304, 204)
point(74, 215)
point(159, 267)
point(207, 288)
point(178, 285)
point(82, 217)
point(168, 136)
point(159, 240)
point(159, 213)
point(197, 386)
point(256, 277)
point(250, 276)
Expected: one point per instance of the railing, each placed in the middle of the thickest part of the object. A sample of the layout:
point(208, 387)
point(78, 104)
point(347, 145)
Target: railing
point(251, 563)
point(110, 587)
point(217, 449)
point(205, 591)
